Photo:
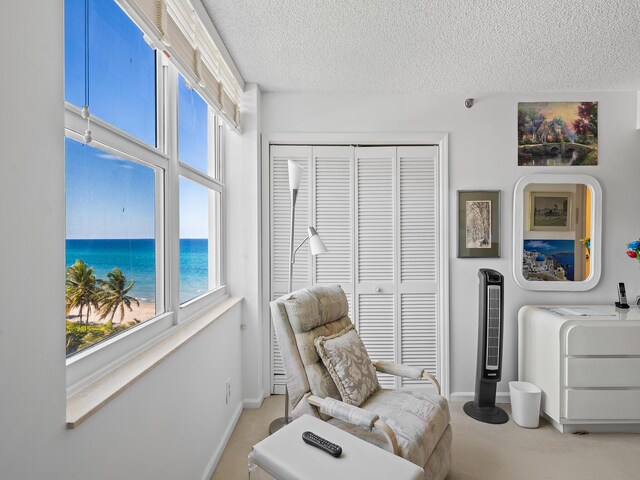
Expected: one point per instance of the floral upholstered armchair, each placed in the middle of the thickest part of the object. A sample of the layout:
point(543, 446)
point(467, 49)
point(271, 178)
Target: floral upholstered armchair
point(329, 375)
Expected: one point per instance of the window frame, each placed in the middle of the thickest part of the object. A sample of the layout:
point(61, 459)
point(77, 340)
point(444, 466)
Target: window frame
point(90, 364)
point(214, 136)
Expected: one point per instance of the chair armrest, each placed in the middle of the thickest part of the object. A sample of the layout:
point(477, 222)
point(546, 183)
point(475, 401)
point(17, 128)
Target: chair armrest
point(355, 416)
point(406, 371)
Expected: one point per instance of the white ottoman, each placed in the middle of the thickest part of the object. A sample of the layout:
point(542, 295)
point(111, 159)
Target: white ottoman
point(285, 456)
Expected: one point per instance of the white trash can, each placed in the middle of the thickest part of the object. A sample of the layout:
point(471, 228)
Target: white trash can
point(525, 404)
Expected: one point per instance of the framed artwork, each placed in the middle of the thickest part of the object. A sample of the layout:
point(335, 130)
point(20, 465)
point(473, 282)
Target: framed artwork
point(557, 133)
point(478, 223)
point(550, 211)
point(550, 260)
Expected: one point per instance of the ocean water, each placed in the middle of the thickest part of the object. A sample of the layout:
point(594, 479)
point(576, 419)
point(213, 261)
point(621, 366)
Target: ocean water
point(137, 260)
point(567, 261)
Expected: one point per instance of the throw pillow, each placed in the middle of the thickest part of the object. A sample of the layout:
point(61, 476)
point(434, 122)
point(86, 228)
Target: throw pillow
point(349, 365)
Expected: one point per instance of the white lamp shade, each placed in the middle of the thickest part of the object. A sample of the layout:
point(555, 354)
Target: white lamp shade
point(315, 243)
point(295, 175)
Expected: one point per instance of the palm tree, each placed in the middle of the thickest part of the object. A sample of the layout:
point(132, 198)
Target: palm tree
point(113, 296)
point(80, 288)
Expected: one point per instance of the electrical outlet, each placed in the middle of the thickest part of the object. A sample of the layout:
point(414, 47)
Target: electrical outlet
point(228, 391)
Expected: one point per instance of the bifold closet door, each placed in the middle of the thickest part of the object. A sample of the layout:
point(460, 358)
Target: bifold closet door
point(396, 235)
point(280, 230)
point(325, 201)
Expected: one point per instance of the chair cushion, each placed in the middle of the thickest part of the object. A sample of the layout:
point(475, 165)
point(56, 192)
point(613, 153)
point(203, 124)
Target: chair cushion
point(349, 365)
point(299, 318)
point(310, 308)
point(418, 419)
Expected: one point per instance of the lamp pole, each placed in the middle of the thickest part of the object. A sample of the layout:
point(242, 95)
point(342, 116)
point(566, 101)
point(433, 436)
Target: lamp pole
point(317, 247)
point(294, 197)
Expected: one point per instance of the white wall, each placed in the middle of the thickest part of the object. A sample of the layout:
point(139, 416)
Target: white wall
point(170, 424)
point(32, 374)
point(243, 226)
point(483, 155)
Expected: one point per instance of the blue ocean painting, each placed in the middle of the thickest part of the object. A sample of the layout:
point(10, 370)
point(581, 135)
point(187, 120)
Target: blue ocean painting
point(562, 251)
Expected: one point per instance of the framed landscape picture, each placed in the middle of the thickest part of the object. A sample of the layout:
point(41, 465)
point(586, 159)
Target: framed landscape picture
point(548, 260)
point(478, 223)
point(557, 133)
point(550, 211)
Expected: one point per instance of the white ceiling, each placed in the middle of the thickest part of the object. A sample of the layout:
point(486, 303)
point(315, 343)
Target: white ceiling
point(436, 46)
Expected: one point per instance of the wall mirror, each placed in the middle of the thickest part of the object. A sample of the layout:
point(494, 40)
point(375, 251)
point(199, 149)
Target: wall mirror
point(557, 232)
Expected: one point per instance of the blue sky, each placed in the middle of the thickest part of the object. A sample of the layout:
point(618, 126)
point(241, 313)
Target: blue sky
point(550, 246)
point(121, 67)
point(108, 197)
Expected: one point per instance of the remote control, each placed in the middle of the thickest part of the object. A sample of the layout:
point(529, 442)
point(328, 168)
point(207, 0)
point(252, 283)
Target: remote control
point(319, 442)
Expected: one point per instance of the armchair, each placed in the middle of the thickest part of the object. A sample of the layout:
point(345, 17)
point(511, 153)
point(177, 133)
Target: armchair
point(411, 424)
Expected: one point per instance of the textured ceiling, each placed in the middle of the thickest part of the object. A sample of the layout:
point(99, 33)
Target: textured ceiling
point(439, 46)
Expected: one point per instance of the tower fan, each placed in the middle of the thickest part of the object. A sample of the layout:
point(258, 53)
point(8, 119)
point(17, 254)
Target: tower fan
point(489, 367)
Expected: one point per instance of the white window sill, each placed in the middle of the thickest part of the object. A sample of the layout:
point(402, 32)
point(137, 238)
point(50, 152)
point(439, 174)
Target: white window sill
point(84, 403)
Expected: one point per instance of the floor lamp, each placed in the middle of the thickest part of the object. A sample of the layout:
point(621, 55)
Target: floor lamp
point(316, 245)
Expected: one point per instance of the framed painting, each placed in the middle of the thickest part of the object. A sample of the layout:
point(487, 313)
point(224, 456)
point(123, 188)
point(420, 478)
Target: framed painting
point(550, 211)
point(550, 260)
point(478, 223)
point(554, 134)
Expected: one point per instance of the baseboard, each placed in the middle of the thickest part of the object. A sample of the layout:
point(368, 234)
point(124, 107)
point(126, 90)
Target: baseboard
point(254, 402)
point(213, 463)
point(279, 389)
point(501, 397)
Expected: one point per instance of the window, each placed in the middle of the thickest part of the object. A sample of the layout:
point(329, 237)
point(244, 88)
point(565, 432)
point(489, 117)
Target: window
point(119, 84)
point(199, 194)
point(193, 128)
point(144, 190)
point(198, 239)
point(111, 244)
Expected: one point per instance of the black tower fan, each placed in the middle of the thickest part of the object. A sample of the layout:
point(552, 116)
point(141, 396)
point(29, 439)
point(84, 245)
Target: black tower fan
point(490, 328)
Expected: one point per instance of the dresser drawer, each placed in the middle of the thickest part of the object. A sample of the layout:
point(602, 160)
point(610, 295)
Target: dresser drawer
point(602, 372)
point(602, 404)
point(603, 340)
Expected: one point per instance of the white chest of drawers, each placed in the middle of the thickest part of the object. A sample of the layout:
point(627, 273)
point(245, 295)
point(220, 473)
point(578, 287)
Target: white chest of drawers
point(588, 367)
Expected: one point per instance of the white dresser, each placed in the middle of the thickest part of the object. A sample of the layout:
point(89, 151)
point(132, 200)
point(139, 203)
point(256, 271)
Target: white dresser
point(588, 367)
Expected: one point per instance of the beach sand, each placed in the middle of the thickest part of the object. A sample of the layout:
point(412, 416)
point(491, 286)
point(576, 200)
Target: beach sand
point(145, 311)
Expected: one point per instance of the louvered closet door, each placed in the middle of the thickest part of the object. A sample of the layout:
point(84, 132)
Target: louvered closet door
point(417, 236)
point(332, 208)
point(280, 229)
point(376, 210)
point(374, 247)
point(396, 235)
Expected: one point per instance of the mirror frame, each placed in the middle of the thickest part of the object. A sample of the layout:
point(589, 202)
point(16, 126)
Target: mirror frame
point(596, 231)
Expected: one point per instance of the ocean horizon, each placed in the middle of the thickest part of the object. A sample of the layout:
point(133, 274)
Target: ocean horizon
point(137, 260)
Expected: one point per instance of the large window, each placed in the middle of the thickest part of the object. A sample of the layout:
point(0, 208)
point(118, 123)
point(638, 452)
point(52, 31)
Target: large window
point(111, 244)
point(143, 189)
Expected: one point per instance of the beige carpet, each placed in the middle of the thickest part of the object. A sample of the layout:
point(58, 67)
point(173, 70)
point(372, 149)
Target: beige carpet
point(481, 451)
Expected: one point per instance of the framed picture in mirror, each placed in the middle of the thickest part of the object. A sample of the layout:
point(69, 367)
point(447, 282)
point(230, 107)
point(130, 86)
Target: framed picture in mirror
point(478, 223)
point(550, 211)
